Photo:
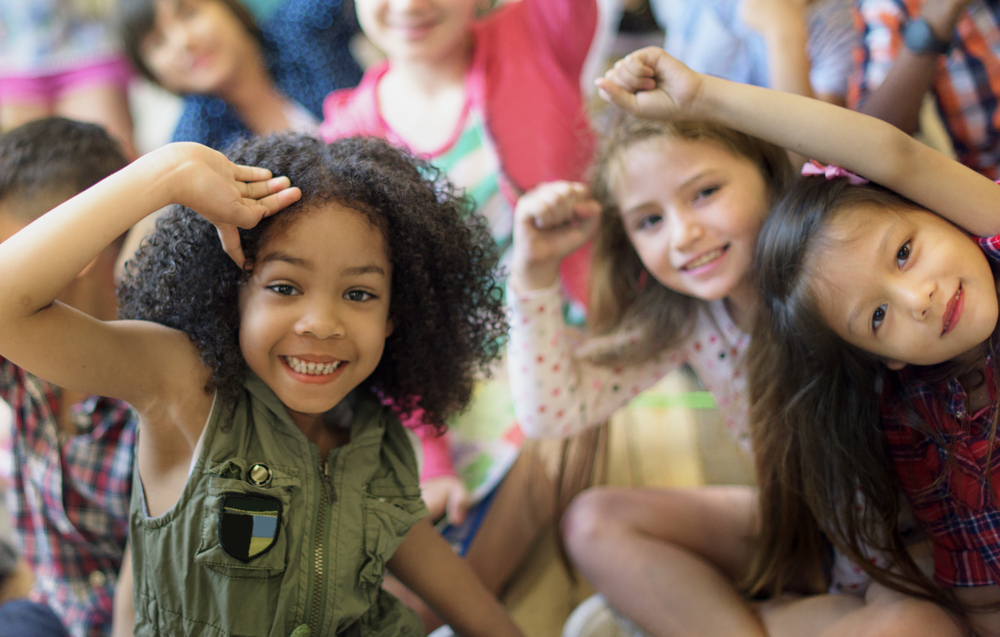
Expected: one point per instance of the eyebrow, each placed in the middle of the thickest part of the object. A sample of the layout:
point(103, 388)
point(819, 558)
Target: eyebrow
point(643, 207)
point(685, 184)
point(284, 257)
point(883, 244)
point(364, 269)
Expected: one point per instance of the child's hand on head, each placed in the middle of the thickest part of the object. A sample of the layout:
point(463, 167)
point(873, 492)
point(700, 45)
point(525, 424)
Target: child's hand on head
point(446, 494)
point(227, 194)
point(649, 83)
point(551, 221)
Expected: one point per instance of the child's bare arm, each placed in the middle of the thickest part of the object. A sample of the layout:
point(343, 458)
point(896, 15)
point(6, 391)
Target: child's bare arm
point(427, 566)
point(782, 25)
point(123, 609)
point(649, 83)
point(124, 359)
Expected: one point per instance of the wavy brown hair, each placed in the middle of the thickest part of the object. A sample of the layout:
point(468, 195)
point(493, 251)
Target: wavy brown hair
point(623, 296)
point(815, 424)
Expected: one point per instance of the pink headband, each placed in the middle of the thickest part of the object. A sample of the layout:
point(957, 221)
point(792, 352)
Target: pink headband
point(831, 172)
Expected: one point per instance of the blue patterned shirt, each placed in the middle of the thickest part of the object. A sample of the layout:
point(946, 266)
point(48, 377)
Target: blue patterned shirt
point(305, 48)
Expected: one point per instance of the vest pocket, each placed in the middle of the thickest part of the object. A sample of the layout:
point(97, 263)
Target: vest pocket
point(390, 512)
point(244, 533)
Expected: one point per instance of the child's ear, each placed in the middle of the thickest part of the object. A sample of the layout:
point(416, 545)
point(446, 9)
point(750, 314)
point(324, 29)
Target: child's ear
point(893, 364)
point(389, 326)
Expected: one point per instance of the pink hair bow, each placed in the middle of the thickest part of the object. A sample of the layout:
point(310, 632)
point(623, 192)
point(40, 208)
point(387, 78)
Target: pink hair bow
point(831, 172)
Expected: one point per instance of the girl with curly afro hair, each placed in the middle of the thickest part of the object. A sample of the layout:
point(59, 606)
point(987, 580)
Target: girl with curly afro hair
point(273, 486)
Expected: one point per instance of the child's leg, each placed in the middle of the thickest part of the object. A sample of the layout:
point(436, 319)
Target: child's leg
point(668, 558)
point(98, 93)
point(22, 99)
point(103, 105)
point(883, 613)
point(525, 503)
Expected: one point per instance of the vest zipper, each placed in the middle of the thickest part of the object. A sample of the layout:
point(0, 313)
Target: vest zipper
point(326, 498)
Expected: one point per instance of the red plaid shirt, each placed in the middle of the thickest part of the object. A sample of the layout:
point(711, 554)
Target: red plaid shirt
point(953, 499)
point(69, 497)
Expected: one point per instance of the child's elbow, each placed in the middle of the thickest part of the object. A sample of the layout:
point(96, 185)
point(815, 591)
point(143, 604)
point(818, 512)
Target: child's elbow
point(901, 155)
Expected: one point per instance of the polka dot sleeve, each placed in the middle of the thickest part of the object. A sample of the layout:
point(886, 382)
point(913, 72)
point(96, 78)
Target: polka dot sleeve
point(556, 392)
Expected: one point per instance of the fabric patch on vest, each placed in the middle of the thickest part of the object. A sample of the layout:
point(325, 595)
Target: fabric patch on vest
point(248, 524)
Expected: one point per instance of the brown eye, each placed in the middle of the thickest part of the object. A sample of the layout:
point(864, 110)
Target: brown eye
point(283, 289)
point(903, 254)
point(359, 295)
point(878, 316)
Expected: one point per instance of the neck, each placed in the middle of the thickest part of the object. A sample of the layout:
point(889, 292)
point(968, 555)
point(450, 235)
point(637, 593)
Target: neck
point(318, 432)
point(430, 77)
point(741, 303)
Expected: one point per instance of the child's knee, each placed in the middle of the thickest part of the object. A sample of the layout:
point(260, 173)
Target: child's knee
point(913, 618)
point(588, 518)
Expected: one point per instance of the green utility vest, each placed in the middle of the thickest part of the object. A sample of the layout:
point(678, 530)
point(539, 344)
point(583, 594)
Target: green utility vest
point(267, 541)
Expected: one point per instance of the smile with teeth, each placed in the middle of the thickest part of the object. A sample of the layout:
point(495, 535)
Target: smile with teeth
point(311, 369)
point(706, 258)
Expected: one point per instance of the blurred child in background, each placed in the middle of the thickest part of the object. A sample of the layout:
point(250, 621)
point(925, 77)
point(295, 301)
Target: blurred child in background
point(494, 102)
point(239, 78)
point(61, 57)
point(796, 46)
point(71, 453)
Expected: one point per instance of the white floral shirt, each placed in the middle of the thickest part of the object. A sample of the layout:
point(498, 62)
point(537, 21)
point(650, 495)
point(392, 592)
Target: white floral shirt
point(559, 391)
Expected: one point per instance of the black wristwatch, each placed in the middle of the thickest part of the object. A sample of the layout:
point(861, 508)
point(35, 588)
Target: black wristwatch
point(919, 37)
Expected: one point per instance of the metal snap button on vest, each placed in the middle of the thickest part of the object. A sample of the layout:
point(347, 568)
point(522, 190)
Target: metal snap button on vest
point(259, 475)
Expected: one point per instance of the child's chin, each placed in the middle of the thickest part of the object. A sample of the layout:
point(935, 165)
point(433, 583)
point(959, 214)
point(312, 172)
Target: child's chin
point(312, 406)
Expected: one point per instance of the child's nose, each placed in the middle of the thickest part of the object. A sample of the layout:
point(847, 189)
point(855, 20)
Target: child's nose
point(321, 321)
point(179, 37)
point(685, 229)
point(917, 295)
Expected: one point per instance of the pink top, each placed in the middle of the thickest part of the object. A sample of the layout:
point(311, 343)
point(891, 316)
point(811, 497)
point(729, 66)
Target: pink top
point(524, 77)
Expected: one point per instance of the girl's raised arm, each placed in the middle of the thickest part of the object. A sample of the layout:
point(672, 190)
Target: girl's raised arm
point(121, 359)
point(650, 83)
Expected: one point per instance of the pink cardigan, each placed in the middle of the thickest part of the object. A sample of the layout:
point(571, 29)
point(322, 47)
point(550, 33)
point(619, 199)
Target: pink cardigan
point(525, 77)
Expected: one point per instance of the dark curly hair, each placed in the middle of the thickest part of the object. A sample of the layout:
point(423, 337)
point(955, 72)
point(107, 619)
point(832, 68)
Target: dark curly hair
point(446, 305)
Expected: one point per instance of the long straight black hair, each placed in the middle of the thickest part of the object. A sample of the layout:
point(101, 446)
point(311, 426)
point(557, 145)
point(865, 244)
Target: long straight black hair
point(815, 411)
